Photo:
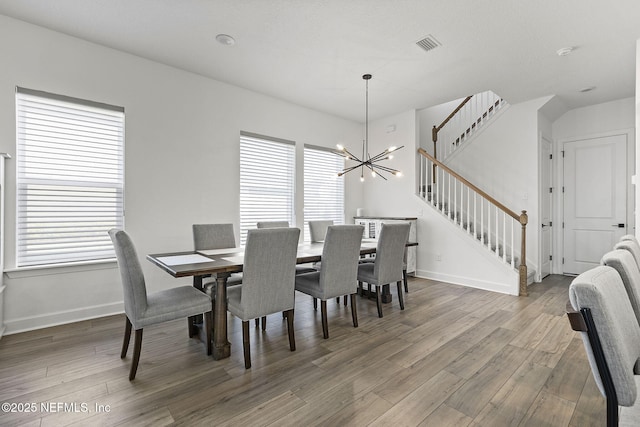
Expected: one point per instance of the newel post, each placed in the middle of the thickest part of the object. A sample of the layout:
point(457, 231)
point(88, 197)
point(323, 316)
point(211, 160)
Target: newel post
point(523, 255)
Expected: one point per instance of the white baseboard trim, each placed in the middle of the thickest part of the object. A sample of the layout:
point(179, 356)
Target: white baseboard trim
point(503, 288)
point(25, 324)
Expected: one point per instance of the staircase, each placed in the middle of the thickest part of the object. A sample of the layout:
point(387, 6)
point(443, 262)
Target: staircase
point(473, 114)
point(488, 222)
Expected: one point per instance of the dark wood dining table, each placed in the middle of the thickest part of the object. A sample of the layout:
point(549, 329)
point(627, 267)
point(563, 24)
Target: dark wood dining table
point(222, 263)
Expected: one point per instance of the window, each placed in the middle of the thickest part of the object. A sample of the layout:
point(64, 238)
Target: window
point(70, 183)
point(267, 167)
point(323, 190)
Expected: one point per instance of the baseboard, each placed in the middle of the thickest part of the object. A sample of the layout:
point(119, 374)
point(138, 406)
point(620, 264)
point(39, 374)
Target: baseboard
point(25, 324)
point(503, 288)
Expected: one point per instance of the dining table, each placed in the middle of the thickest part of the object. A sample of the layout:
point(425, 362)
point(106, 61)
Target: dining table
point(222, 263)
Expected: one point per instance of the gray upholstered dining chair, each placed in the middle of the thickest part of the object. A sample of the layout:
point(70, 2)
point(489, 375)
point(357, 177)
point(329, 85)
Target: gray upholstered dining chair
point(629, 237)
point(318, 229)
point(338, 273)
point(622, 261)
point(144, 309)
point(601, 311)
point(215, 236)
point(387, 266)
point(268, 284)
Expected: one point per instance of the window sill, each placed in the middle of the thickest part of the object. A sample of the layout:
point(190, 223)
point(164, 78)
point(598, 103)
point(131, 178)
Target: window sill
point(71, 267)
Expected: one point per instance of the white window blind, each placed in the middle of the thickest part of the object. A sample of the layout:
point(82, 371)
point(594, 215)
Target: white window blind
point(70, 178)
point(323, 190)
point(267, 176)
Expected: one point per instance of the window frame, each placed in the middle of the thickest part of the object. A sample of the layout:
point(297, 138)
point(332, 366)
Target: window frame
point(324, 179)
point(74, 187)
point(260, 147)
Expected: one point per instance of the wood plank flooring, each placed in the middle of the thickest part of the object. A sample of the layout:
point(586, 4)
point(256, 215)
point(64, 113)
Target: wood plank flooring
point(455, 357)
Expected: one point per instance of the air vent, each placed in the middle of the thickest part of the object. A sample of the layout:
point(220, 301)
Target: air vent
point(428, 43)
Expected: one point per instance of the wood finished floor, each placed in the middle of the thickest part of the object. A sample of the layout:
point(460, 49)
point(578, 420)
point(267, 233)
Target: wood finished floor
point(455, 357)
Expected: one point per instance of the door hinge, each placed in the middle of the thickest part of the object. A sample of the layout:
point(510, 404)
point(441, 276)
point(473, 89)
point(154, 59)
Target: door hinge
point(550, 156)
point(562, 153)
point(563, 260)
point(550, 223)
point(562, 224)
point(550, 257)
point(550, 189)
point(563, 188)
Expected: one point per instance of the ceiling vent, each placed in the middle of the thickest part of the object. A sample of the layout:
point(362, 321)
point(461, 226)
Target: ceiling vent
point(428, 43)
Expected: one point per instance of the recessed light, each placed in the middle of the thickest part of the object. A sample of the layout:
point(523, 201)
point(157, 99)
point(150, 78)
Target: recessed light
point(565, 51)
point(225, 39)
point(587, 89)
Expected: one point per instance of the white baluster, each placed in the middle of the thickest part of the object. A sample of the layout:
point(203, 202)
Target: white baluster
point(513, 258)
point(482, 220)
point(504, 236)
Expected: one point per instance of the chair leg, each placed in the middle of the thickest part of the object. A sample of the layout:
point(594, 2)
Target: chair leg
point(137, 347)
point(257, 322)
point(400, 296)
point(127, 337)
point(338, 300)
point(191, 326)
point(369, 289)
point(245, 345)
point(379, 299)
point(406, 283)
point(264, 323)
point(354, 311)
point(292, 338)
point(361, 289)
point(345, 299)
point(325, 325)
point(315, 304)
point(208, 326)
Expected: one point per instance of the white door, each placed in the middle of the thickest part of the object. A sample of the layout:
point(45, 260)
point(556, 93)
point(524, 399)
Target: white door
point(595, 199)
point(546, 207)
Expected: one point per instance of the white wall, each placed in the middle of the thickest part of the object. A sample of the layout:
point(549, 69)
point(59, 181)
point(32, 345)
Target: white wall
point(181, 159)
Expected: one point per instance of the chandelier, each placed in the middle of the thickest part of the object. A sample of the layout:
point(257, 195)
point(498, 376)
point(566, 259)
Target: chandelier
point(367, 161)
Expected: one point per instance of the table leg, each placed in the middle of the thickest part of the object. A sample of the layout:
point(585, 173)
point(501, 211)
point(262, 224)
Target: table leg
point(221, 345)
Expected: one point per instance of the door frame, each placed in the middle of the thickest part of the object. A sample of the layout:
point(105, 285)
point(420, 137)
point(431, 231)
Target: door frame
point(558, 200)
point(544, 192)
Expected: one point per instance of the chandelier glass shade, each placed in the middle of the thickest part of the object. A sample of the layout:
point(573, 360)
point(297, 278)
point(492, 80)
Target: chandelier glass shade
point(371, 163)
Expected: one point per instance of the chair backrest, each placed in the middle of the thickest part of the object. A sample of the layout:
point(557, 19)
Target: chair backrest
point(601, 291)
point(629, 237)
point(390, 252)
point(318, 229)
point(272, 224)
point(340, 254)
point(631, 246)
point(268, 278)
point(213, 236)
point(622, 261)
point(132, 277)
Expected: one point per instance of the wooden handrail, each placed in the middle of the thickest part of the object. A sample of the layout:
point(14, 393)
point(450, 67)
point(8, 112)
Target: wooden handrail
point(436, 129)
point(502, 207)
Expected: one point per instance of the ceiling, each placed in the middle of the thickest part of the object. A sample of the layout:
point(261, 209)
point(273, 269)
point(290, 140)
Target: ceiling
point(314, 52)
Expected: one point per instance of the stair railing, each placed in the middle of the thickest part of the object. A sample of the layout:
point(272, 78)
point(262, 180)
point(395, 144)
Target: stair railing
point(467, 117)
point(491, 223)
